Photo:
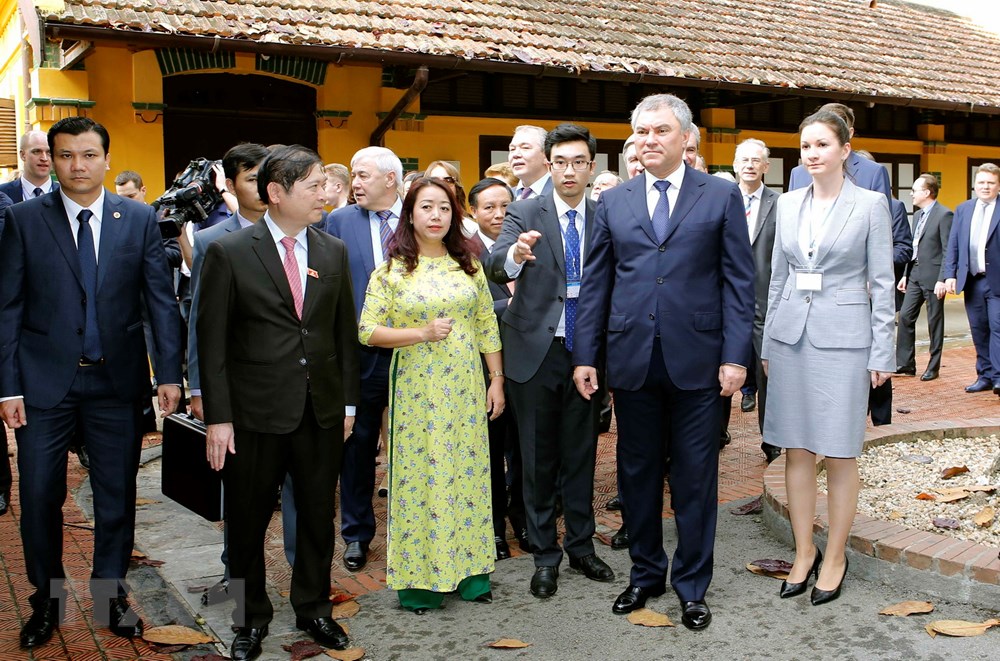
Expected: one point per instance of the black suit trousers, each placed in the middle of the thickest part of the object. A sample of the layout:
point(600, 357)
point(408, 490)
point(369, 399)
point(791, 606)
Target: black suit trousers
point(112, 435)
point(913, 299)
point(558, 435)
point(311, 455)
point(655, 422)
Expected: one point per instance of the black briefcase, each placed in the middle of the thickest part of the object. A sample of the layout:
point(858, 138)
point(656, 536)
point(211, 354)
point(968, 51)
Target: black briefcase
point(186, 476)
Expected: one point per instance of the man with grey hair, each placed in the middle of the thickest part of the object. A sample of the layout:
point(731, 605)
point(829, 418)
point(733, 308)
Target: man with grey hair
point(366, 227)
point(668, 291)
point(526, 156)
point(632, 164)
point(602, 182)
point(692, 148)
point(35, 179)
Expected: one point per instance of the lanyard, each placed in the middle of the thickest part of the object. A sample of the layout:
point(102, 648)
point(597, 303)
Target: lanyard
point(573, 265)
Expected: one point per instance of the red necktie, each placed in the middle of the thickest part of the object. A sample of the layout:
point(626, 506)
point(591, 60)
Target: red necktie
point(292, 273)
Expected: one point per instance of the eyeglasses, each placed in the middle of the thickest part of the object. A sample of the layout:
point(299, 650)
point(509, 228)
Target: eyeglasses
point(579, 165)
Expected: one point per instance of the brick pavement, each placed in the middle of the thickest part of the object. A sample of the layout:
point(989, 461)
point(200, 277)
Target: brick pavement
point(740, 472)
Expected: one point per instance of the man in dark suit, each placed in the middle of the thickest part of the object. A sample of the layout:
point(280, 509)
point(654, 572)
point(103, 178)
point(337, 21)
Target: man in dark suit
point(972, 245)
point(526, 156)
point(544, 248)
point(240, 165)
point(863, 172)
point(931, 227)
point(670, 286)
point(366, 228)
point(6, 478)
point(488, 201)
point(279, 377)
point(750, 165)
point(72, 355)
point(36, 177)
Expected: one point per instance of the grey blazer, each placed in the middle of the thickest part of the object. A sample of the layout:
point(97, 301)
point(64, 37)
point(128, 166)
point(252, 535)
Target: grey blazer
point(855, 307)
point(932, 245)
point(762, 244)
point(529, 324)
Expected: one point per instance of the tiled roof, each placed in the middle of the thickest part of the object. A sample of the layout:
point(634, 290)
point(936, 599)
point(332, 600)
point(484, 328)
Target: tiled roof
point(893, 50)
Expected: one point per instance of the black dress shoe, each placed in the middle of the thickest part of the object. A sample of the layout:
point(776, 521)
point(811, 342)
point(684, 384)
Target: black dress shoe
point(39, 627)
point(503, 551)
point(246, 645)
point(795, 589)
point(634, 598)
point(543, 583)
point(906, 371)
point(325, 631)
point(593, 568)
point(620, 539)
point(695, 615)
point(725, 439)
point(823, 596)
point(748, 403)
point(980, 385)
point(356, 555)
point(929, 375)
point(123, 620)
point(4, 502)
point(615, 504)
point(771, 452)
point(521, 534)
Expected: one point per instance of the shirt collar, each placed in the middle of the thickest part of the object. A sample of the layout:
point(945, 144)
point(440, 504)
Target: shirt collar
point(30, 187)
point(277, 235)
point(562, 208)
point(676, 178)
point(396, 209)
point(537, 186)
point(487, 241)
point(73, 209)
point(242, 220)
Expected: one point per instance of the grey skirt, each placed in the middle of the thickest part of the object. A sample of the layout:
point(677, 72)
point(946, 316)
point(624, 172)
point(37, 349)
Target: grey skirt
point(817, 399)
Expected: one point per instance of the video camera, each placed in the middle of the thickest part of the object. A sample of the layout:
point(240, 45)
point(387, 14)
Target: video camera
point(191, 198)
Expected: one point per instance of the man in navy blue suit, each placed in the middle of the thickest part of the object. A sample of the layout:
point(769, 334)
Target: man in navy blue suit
point(669, 288)
point(366, 228)
point(966, 269)
point(862, 171)
point(35, 179)
point(73, 266)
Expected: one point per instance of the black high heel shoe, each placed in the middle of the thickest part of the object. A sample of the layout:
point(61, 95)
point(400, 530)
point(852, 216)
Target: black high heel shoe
point(795, 589)
point(823, 596)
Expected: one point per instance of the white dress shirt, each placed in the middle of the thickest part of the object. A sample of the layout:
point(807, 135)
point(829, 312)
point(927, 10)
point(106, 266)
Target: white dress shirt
point(73, 210)
point(984, 231)
point(676, 179)
point(28, 188)
point(754, 209)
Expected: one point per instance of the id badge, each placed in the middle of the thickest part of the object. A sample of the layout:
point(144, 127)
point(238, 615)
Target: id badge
point(572, 290)
point(808, 280)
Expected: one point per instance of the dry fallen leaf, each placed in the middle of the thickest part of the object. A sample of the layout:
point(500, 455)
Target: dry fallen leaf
point(960, 627)
point(350, 654)
point(985, 517)
point(926, 496)
point(175, 634)
point(949, 473)
point(755, 506)
point(930, 631)
point(952, 497)
point(303, 649)
point(949, 524)
point(339, 597)
point(987, 488)
point(345, 609)
point(138, 554)
point(145, 501)
point(146, 562)
point(895, 514)
point(772, 568)
point(508, 644)
point(169, 649)
point(208, 657)
point(649, 618)
point(905, 608)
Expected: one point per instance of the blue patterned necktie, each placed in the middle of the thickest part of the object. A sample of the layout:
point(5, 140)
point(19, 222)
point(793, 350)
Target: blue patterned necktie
point(661, 213)
point(88, 269)
point(572, 273)
point(384, 231)
point(37, 192)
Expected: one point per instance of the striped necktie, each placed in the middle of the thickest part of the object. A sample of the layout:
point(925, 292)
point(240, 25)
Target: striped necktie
point(384, 231)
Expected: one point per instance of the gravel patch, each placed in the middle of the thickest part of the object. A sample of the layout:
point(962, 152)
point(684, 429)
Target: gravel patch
point(893, 475)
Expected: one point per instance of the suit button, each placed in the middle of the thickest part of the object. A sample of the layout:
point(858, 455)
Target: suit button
point(662, 248)
point(559, 298)
point(79, 331)
point(302, 361)
point(305, 331)
point(659, 281)
point(84, 300)
point(652, 316)
point(552, 329)
point(808, 299)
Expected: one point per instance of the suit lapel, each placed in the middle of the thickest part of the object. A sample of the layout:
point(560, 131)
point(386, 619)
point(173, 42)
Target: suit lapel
point(363, 240)
point(766, 202)
point(690, 193)
point(54, 215)
point(551, 229)
point(111, 226)
point(637, 201)
point(835, 224)
point(994, 219)
point(588, 228)
point(316, 263)
point(268, 255)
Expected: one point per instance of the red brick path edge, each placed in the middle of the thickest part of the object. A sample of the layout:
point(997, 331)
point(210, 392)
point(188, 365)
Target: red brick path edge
point(942, 566)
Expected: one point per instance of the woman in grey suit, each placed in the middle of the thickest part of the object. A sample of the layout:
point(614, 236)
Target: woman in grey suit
point(828, 336)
